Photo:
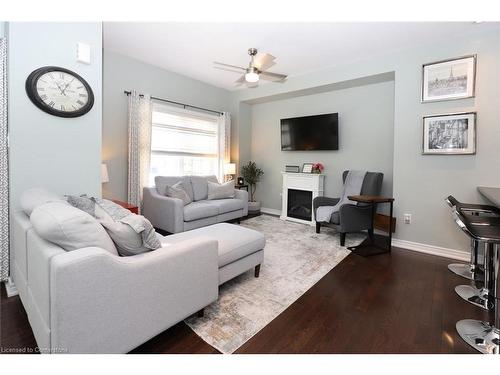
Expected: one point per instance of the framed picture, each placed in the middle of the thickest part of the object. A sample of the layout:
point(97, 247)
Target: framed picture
point(450, 134)
point(292, 169)
point(307, 168)
point(449, 79)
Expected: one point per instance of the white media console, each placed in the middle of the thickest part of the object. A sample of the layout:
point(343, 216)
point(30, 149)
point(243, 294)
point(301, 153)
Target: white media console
point(299, 190)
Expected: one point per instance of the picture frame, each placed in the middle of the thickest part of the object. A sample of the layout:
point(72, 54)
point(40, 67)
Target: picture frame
point(449, 79)
point(292, 169)
point(449, 134)
point(307, 167)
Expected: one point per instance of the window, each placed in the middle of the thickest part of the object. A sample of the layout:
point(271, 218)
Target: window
point(183, 143)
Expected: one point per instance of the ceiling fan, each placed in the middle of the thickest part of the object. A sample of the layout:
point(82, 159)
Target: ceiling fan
point(256, 70)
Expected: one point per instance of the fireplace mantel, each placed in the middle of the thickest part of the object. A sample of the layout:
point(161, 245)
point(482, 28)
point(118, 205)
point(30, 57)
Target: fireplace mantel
point(304, 182)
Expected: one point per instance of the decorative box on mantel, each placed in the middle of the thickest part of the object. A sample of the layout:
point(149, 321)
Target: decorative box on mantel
point(299, 190)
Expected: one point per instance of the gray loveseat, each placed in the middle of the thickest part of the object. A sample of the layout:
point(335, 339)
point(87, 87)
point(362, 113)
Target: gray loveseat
point(169, 214)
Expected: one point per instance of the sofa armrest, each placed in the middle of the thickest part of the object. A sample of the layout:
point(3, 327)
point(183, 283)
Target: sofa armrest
point(242, 195)
point(163, 212)
point(355, 218)
point(102, 303)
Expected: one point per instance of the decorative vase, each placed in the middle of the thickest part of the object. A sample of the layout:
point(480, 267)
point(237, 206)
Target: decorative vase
point(253, 207)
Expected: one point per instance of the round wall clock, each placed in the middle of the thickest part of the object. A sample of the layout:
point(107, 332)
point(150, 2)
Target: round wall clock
point(59, 91)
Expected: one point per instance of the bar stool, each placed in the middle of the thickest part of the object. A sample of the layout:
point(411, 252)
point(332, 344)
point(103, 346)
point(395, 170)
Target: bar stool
point(479, 293)
point(482, 213)
point(483, 336)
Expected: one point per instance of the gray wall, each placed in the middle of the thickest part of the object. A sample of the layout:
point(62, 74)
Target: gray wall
point(60, 154)
point(123, 73)
point(366, 120)
point(421, 182)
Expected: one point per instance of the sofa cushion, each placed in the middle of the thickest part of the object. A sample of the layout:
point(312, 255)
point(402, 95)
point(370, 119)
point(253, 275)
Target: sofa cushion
point(220, 191)
point(200, 210)
point(235, 242)
point(132, 234)
point(200, 186)
point(161, 183)
point(228, 205)
point(69, 227)
point(34, 197)
point(178, 191)
point(83, 203)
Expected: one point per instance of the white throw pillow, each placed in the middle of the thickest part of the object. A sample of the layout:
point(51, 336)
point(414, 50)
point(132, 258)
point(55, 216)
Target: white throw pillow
point(178, 191)
point(34, 197)
point(220, 191)
point(69, 227)
point(127, 240)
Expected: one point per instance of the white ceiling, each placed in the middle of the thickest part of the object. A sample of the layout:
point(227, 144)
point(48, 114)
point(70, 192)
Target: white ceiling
point(190, 48)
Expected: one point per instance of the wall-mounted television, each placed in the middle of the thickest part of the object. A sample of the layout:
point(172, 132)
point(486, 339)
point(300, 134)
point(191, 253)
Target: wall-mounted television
point(310, 133)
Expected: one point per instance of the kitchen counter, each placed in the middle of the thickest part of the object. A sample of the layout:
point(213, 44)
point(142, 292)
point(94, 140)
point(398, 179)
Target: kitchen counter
point(490, 193)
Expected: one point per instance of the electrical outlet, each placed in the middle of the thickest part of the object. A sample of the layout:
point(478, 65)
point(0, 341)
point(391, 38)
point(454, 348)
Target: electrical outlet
point(407, 218)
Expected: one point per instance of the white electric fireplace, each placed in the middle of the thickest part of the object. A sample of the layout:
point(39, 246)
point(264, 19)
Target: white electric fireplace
point(299, 190)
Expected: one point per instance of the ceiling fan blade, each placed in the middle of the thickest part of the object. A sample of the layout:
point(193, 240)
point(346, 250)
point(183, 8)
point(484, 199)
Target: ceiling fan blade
point(232, 70)
point(230, 66)
point(276, 77)
point(240, 80)
point(263, 61)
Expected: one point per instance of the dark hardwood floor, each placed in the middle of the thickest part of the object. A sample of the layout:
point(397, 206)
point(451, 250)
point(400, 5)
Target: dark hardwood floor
point(401, 302)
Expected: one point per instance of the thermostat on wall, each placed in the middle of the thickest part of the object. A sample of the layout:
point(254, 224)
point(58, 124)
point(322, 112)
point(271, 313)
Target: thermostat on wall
point(83, 53)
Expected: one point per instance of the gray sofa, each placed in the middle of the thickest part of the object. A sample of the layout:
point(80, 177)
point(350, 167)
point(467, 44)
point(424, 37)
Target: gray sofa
point(352, 218)
point(169, 214)
point(90, 300)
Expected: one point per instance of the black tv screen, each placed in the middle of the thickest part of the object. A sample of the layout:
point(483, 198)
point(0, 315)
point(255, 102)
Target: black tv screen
point(310, 133)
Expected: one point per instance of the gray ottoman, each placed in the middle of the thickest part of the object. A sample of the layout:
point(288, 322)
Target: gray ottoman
point(240, 249)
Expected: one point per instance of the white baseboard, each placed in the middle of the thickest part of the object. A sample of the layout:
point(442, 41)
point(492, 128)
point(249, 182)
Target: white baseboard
point(431, 249)
point(10, 288)
point(270, 211)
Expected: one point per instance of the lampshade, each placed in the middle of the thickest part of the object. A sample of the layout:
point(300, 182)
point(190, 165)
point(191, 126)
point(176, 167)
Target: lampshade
point(230, 168)
point(104, 173)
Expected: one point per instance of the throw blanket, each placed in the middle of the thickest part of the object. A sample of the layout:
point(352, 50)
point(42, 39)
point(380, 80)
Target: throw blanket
point(352, 186)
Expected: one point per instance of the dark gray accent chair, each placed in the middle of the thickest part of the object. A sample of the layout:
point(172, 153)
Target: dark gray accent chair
point(352, 218)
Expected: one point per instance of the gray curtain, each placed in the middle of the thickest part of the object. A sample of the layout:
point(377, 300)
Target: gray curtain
point(4, 166)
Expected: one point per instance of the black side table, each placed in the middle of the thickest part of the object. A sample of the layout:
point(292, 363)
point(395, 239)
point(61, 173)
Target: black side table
point(239, 187)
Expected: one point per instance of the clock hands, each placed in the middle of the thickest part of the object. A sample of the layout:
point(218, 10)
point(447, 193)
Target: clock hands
point(60, 89)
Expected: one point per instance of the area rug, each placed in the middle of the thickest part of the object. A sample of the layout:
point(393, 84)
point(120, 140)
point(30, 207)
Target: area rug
point(295, 258)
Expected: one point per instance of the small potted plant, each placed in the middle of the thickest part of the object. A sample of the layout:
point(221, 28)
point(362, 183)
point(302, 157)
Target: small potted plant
point(252, 174)
point(318, 168)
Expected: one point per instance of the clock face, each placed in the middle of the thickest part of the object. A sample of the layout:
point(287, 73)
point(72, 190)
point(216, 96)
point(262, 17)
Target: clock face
point(59, 91)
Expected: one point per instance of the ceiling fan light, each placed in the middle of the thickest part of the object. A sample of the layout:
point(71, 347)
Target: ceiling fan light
point(251, 77)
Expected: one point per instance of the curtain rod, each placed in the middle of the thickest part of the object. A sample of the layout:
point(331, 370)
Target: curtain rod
point(177, 103)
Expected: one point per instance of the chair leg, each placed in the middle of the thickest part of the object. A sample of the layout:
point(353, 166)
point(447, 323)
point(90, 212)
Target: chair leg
point(257, 270)
point(318, 227)
point(370, 234)
point(342, 239)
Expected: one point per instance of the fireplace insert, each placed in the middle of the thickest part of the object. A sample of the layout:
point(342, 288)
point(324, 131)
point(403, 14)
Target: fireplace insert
point(299, 204)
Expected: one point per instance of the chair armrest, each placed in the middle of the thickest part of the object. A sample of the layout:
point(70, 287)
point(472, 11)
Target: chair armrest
point(324, 201)
point(355, 218)
point(102, 303)
point(163, 212)
point(242, 195)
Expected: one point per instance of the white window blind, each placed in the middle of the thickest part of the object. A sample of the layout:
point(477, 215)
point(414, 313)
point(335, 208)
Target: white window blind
point(183, 142)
